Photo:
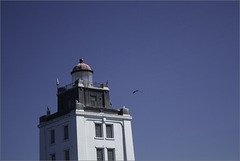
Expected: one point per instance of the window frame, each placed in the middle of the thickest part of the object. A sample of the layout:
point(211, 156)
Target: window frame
point(112, 133)
point(113, 152)
point(93, 100)
point(52, 136)
point(53, 155)
point(65, 134)
point(67, 151)
point(101, 130)
point(102, 150)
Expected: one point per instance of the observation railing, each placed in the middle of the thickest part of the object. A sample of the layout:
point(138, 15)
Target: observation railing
point(84, 82)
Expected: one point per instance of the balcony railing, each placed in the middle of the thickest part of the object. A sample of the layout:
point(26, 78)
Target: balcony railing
point(69, 86)
point(84, 83)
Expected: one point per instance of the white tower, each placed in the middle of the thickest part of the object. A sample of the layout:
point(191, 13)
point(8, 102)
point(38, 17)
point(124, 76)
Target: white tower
point(85, 127)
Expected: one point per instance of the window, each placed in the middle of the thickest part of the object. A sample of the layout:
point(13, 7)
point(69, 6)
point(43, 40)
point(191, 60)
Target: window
point(65, 128)
point(99, 154)
point(93, 100)
point(52, 133)
point(53, 157)
point(109, 130)
point(98, 129)
point(111, 155)
point(66, 154)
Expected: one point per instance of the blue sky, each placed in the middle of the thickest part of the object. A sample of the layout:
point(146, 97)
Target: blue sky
point(183, 55)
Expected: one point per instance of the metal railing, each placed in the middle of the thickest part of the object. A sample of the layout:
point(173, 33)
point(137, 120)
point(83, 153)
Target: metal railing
point(99, 85)
point(69, 86)
point(84, 82)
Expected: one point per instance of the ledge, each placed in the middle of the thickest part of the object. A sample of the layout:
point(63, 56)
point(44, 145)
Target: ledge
point(111, 139)
point(98, 138)
point(94, 111)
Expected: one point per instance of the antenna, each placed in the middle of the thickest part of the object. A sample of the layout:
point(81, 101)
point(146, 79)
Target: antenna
point(57, 82)
point(48, 111)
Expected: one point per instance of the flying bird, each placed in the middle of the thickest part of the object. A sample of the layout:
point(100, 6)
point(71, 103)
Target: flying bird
point(137, 91)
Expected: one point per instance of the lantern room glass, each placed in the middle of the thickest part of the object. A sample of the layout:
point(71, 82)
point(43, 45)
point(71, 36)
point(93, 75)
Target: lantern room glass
point(86, 76)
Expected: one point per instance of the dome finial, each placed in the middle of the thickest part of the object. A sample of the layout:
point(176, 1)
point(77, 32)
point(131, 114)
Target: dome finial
point(81, 67)
point(81, 60)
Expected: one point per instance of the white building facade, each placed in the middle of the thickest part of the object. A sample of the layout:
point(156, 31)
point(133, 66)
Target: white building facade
point(85, 127)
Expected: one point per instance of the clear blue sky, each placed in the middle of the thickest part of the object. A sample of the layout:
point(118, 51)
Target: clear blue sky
point(183, 55)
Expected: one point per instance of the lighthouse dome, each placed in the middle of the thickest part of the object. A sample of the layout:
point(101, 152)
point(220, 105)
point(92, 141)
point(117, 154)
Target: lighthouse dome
point(81, 67)
point(83, 72)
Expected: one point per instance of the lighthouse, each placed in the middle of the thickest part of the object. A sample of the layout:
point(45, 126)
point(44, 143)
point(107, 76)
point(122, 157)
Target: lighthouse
point(85, 126)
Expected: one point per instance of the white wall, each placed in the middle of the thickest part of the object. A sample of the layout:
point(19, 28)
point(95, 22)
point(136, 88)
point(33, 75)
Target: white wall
point(82, 142)
point(122, 135)
point(46, 148)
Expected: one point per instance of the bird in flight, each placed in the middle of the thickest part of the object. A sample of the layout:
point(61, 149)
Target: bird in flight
point(137, 91)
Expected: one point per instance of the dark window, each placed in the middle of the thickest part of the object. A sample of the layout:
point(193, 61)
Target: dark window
point(66, 154)
point(98, 129)
point(99, 154)
point(52, 133)
point(65, 132)
point(93, 100)
point(109, 130)
point(53, 157)
point(111, 155)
